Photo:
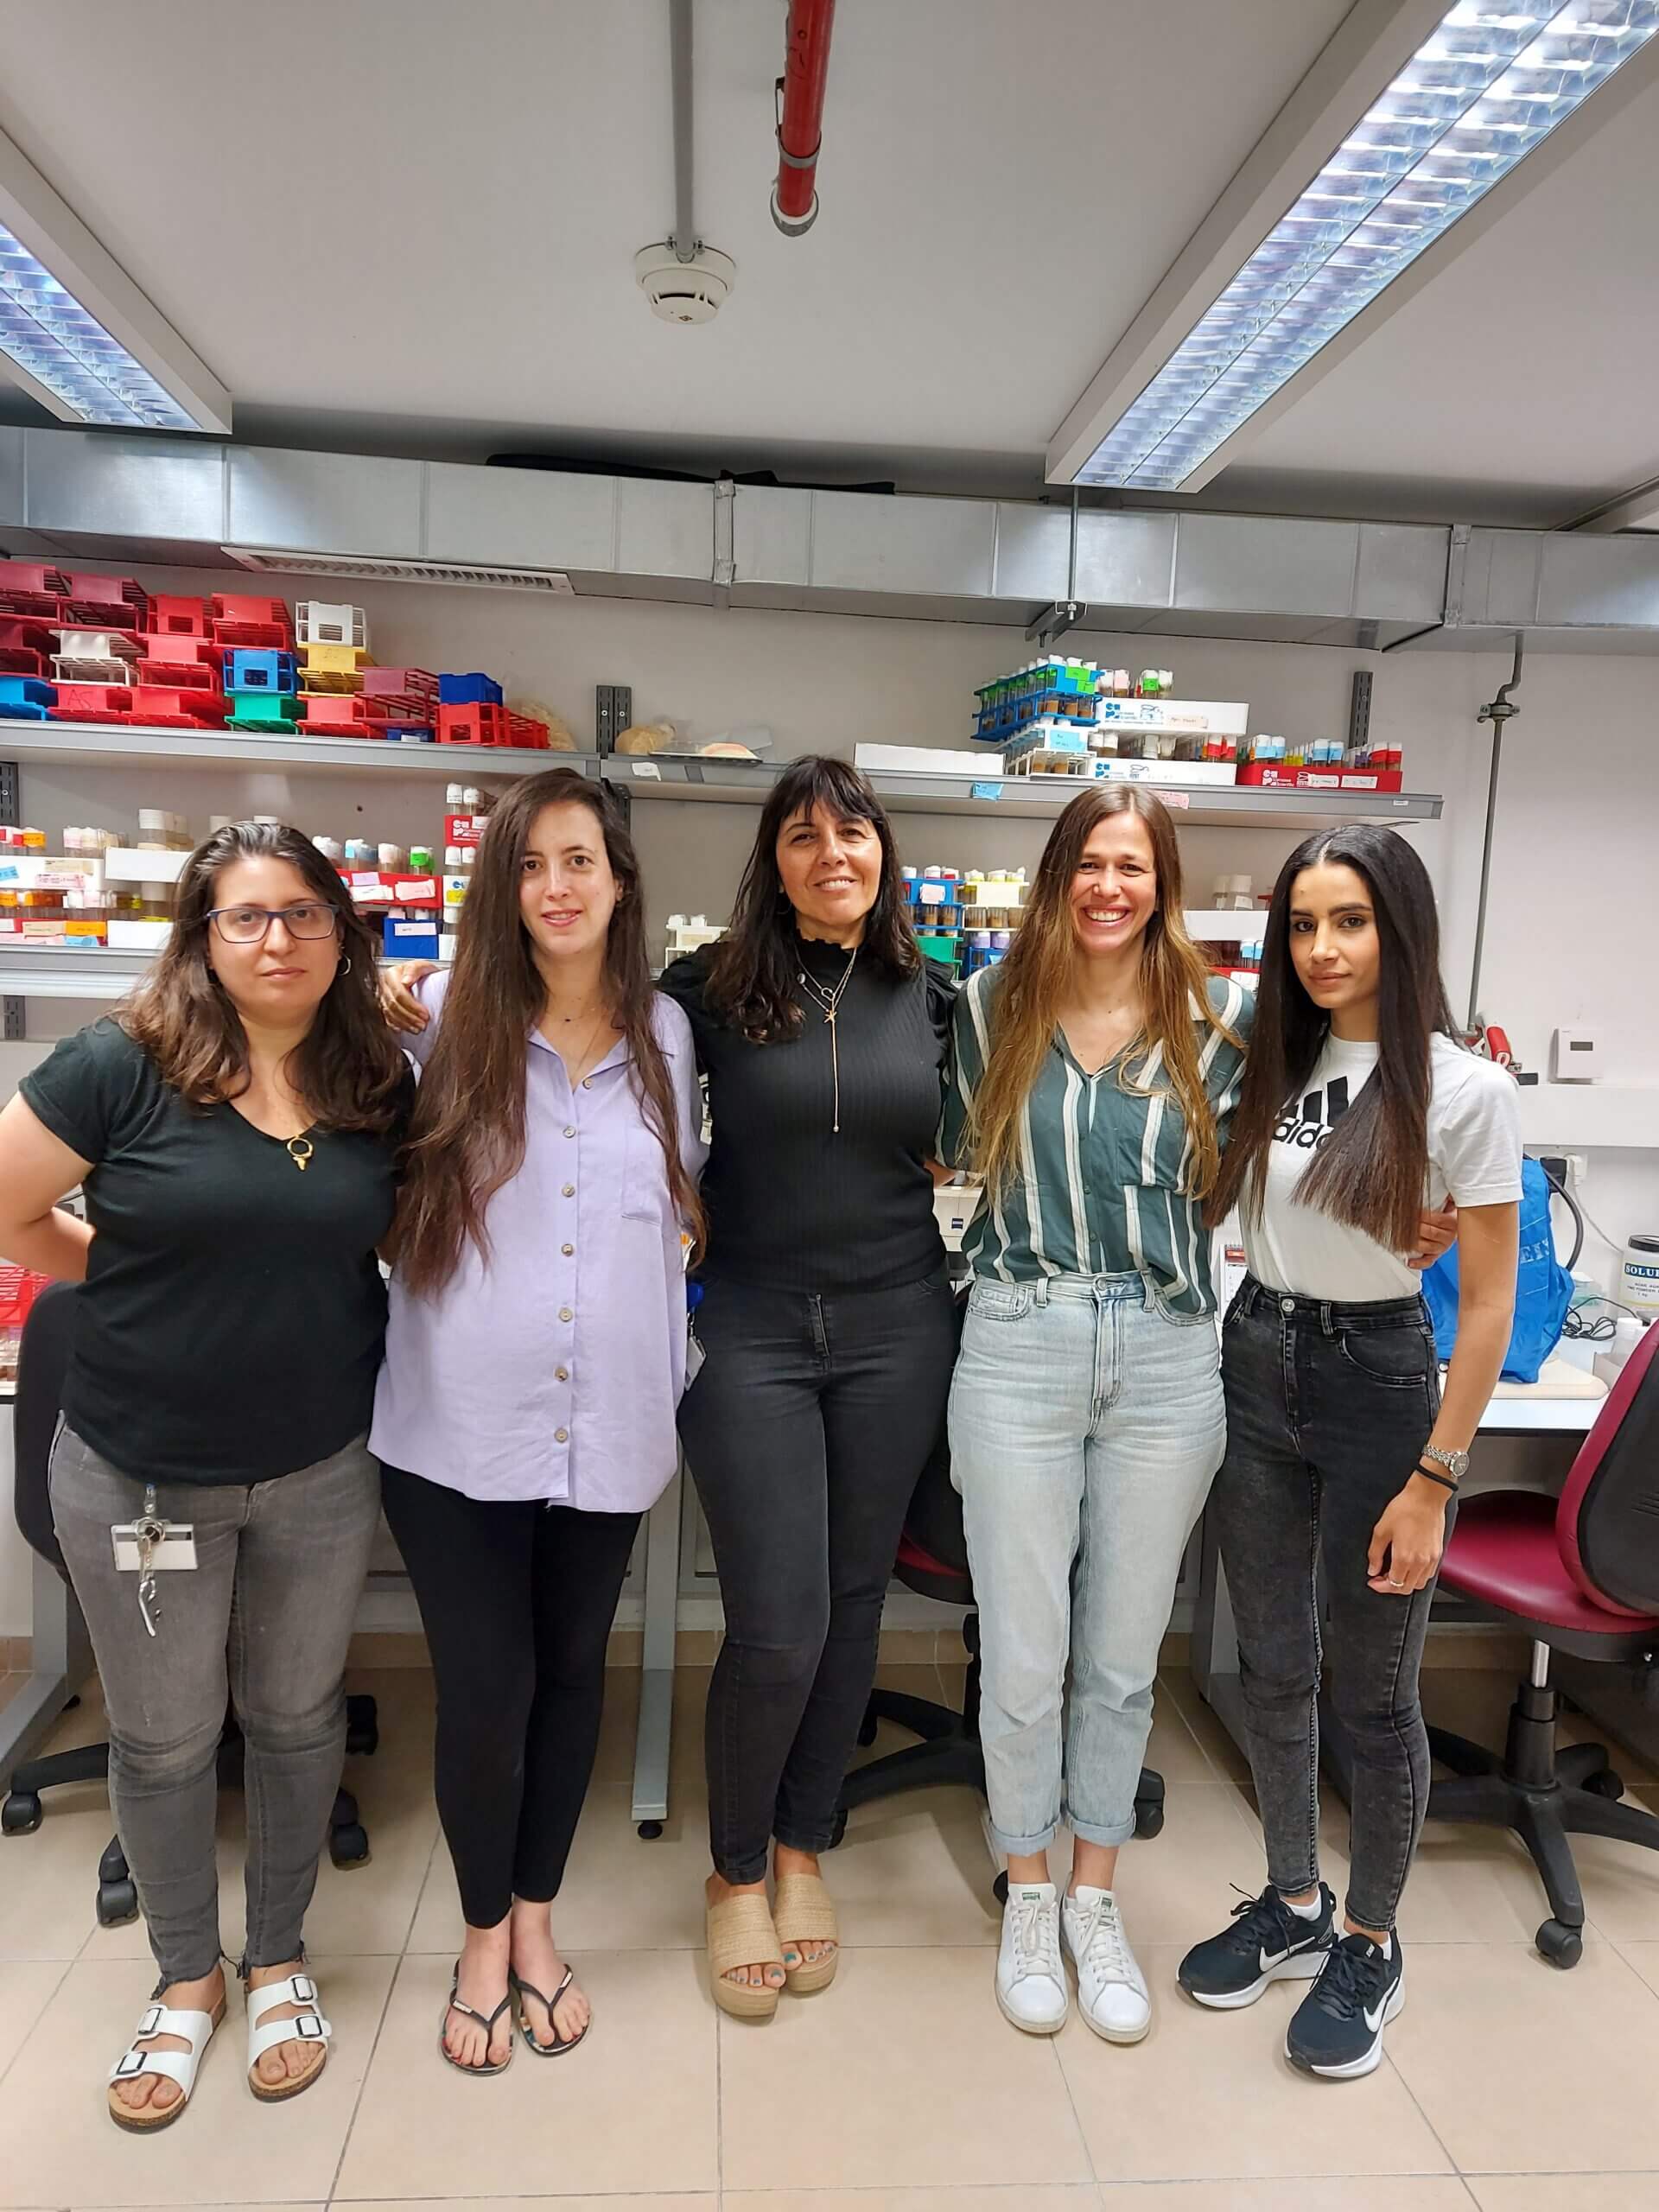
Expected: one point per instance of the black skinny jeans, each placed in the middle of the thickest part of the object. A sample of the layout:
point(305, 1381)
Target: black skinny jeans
point(1328, 1409)
point(804, 1431)
point(518, 1600)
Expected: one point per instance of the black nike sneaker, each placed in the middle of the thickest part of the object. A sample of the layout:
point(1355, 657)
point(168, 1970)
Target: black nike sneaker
point(1267, 1943)
point(1336, 2030)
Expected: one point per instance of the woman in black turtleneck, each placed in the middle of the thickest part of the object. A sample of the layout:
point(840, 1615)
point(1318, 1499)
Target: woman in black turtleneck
point(829, 1336)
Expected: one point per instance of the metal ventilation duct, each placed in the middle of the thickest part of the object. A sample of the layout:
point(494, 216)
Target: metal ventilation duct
point(94, 497)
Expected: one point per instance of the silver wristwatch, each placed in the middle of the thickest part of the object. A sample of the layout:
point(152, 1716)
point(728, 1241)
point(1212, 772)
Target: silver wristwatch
point(1455, 1462)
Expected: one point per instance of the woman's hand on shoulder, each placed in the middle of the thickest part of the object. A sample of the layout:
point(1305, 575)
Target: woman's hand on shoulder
point(398, 983)
point(1436, 1234)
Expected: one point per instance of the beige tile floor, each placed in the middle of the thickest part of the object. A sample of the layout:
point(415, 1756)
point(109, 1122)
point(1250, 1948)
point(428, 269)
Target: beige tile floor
point(1508, 2087)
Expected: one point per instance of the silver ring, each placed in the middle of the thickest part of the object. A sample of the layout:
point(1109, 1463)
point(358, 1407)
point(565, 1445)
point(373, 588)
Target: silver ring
point(1393, 1585)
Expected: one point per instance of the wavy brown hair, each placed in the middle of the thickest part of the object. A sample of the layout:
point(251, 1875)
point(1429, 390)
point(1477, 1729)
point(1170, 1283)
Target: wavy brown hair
point(1370, 1171)
point(1032, 982)
point(752, 975)
point(467, 1136)
point(347, 1067)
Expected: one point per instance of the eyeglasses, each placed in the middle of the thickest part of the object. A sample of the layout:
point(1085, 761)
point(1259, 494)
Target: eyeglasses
point(313, 918)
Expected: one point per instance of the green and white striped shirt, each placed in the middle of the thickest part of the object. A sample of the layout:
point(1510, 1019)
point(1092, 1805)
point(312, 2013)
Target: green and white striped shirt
point(1098, 1188)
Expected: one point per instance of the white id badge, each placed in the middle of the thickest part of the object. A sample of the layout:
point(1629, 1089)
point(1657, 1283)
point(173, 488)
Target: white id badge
point(173, 1548)
point(695, 1357)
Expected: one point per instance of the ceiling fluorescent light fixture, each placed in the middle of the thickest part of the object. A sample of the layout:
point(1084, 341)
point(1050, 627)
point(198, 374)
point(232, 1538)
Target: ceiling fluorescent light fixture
point(75, 331)
point(1477, 97)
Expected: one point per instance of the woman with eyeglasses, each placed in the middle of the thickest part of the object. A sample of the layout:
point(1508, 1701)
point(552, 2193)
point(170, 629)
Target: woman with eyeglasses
point(233, 1126)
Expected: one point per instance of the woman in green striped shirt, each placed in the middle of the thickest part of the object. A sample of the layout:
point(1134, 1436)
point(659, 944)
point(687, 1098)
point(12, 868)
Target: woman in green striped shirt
point(1093, 1073)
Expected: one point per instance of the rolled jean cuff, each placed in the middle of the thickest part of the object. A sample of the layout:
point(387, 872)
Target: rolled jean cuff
point(1351, 1908)
point(1297, 1887)
point(1023, 1847)
point(1108, 1836)
point(741, 1873)
point(811, 1839)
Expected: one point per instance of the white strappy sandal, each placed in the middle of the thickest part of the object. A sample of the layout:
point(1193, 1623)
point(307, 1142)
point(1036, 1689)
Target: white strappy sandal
point(264, 2034)
point(180, 2066)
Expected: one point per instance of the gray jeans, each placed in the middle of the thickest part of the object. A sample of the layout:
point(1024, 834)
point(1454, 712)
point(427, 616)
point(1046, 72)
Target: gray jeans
point(264, 1621)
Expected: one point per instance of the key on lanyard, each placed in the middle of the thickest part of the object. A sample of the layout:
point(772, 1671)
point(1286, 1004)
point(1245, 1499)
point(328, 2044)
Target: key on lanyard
point(149, 1532)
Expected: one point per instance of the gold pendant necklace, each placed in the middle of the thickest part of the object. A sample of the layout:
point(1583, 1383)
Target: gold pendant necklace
point(829, 1003)
point(299, 1150)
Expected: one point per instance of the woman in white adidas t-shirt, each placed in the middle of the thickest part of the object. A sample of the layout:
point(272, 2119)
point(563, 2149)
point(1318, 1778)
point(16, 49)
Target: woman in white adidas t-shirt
point(1359, 1106)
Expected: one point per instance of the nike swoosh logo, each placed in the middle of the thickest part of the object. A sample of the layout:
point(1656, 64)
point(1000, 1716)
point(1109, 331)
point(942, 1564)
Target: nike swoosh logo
point(1374, 2020)
point(1268, 1959)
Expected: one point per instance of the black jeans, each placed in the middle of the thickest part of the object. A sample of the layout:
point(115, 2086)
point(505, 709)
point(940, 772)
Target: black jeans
point(517, 1599)
point(1328, 1409)
point(804, 1431)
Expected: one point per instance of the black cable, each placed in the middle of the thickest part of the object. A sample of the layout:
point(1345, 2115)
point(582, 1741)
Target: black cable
point(1560, 1189)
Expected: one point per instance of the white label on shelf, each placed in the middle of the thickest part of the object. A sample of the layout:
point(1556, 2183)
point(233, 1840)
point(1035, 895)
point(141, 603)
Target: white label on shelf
point(649, 770)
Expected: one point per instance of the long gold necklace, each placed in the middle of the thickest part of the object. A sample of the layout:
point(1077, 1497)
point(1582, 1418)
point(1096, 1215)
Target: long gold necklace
point(829, 1003)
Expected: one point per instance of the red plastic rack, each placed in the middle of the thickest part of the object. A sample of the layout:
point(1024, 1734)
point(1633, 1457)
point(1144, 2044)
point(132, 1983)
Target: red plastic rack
point(347, 711)
point(22, 660)
point(475, 722)
point(179, 675)
point(173, 651)
point(412, 693)
point(20, 634)
point(171, 617)
point(31, 587)
point(526, 732)
point(92, 702)
point(168, 703)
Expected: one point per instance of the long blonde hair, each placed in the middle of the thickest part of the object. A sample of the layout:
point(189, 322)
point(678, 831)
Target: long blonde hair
point(1032, 982)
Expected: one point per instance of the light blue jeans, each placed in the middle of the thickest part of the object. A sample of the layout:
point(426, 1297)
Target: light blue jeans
point(1086, 1426)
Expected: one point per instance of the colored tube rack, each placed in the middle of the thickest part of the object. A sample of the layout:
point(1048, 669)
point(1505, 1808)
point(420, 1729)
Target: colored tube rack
point(318, 622)
point(69, 668)
point(31, 587)
point(526, 733)
point(412, 690)
point(173, 617)
point(174, 652)
point(473, 690)
point(260, 669)
point(275, 711)
point(344, 712)
point(238, 620)
point(183, 707)
point(474, 722)
point(92, 702)
point(26, 699)
point(96, 645)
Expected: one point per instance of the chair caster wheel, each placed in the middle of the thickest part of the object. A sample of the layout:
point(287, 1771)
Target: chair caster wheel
point(349, 1846)
point(1605, 1784)
point(839, 1827)
point(867, 1728)
point(118, 1903)
point(1148, 1817)
point(650, 1830)
point(21, 1813)
point(999, 1889)
point(1561, 1945)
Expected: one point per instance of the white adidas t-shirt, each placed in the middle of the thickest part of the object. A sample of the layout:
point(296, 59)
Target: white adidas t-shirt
point(1474, 1156)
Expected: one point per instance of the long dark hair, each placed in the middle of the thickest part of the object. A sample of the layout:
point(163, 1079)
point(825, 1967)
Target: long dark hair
point(1370, 1171)
point(347, 1068)
point(1032, 981)
point(752, 975)
point(467, 1137)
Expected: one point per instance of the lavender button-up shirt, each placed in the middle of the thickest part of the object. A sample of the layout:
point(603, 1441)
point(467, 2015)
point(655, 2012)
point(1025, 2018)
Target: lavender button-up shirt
point(552, 1371)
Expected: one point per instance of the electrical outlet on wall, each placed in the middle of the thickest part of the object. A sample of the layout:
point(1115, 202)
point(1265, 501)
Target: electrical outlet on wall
point(1577, 1170)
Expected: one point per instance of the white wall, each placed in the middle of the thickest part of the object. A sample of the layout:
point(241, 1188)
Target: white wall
point(1573, 862)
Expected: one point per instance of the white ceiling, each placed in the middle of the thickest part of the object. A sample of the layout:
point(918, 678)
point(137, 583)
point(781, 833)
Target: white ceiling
point(409, 224)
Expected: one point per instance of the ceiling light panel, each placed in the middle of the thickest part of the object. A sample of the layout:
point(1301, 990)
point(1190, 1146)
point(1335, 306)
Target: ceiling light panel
point(1488, 85)
point(71, 362)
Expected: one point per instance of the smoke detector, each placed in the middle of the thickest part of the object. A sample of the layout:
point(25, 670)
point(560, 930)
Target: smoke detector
point(684, 291)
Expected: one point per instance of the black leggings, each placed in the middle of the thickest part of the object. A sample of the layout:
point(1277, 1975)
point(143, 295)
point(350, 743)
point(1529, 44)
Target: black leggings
point(518, 1600)
point(804, 1432)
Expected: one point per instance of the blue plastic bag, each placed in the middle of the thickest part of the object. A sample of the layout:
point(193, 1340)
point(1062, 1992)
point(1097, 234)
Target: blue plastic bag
point(1543, 1288)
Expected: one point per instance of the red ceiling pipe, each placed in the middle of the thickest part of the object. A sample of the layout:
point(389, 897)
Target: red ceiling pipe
point(800, 113)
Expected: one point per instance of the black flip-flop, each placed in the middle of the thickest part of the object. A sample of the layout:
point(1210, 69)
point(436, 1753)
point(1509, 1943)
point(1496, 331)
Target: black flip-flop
point(468, 2011)
point(560, 2044)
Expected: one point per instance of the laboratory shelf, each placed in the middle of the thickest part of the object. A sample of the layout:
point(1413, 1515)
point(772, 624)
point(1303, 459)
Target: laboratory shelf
point(99, 745)
point(69, 971)
point(1028, 799)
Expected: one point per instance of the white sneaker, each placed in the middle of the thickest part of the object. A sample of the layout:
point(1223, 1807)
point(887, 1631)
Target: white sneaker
point(1030, 1980)
point(1111, 1988)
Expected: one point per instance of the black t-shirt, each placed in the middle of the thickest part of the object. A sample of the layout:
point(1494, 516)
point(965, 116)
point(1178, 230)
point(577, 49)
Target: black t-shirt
point(792, 1206)
point(230, 1326)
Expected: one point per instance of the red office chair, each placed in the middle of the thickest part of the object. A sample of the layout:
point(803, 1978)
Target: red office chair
point(1580, 1575)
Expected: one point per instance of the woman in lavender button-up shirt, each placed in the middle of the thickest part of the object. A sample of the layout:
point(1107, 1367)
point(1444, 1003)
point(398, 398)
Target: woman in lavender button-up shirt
point(535, 1359)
